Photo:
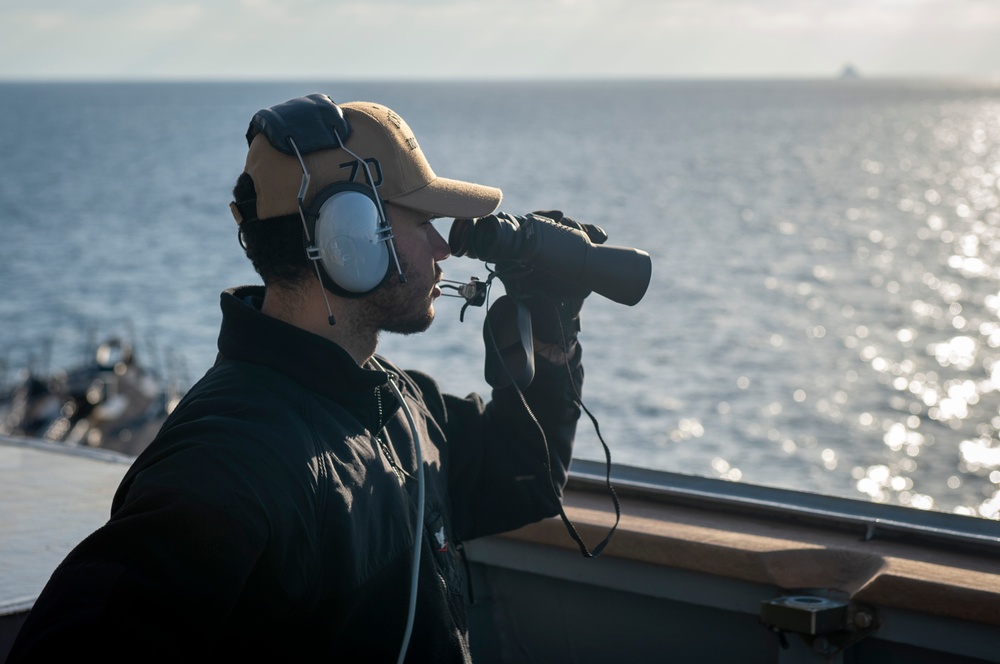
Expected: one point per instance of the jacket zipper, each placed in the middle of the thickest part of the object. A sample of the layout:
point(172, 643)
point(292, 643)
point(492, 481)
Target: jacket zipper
point(383, 445)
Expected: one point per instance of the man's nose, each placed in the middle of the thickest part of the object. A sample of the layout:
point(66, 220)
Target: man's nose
point(440, 246)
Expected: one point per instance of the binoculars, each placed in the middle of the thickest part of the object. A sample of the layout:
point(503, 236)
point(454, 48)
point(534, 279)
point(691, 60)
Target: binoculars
point(574, 254)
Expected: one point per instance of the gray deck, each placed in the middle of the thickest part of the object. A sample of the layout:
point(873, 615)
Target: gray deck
point(691, 564)
point(51, 497)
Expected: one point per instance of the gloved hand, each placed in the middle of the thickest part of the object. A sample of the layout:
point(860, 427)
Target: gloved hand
point(554, 302)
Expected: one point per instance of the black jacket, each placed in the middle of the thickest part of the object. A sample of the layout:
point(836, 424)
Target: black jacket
point(271, 519)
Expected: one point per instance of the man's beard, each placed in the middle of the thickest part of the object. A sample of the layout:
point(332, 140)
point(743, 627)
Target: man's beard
point(403, 308)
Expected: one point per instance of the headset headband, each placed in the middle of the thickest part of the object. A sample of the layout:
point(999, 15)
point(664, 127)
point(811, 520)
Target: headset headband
point(314, 122)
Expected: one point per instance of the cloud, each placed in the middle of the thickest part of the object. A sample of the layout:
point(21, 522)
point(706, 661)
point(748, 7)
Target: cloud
point(494, 38)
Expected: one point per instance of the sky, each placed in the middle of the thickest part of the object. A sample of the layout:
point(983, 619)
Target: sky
point(491, 39)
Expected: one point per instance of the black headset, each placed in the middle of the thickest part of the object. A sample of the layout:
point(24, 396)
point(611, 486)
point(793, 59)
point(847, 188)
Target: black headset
point(346, 231)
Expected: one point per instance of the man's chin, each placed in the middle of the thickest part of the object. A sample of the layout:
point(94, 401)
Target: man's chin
point(410, 325)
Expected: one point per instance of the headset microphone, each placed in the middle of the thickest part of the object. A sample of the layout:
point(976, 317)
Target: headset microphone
point(474, 292)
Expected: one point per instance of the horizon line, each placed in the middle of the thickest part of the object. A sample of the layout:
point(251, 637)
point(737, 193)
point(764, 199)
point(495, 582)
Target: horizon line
point(565, 78)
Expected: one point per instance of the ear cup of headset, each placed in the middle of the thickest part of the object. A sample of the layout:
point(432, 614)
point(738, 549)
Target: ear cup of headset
point(349, 236)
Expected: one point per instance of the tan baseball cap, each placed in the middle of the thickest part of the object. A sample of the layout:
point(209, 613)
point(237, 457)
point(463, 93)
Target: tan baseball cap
point(380, 137)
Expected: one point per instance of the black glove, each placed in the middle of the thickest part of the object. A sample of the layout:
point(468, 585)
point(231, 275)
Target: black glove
point(554, 302)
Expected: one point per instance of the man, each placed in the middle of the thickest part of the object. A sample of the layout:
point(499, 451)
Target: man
point(276, 514)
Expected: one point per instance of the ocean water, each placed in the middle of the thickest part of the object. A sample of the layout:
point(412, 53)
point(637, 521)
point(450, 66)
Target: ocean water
point(823, 313)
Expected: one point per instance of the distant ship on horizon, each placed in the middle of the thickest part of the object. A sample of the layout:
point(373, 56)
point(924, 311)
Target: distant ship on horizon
point(849, 72)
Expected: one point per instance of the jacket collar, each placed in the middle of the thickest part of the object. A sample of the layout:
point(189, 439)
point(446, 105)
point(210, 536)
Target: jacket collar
point(316, 363)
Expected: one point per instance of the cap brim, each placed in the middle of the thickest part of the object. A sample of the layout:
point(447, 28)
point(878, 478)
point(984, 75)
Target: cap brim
point(452, 198)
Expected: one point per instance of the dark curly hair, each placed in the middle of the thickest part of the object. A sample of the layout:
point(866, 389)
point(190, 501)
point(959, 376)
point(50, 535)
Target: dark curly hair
point(275, 246)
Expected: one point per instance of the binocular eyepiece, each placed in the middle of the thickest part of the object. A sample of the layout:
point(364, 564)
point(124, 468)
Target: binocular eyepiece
point(574, 254)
